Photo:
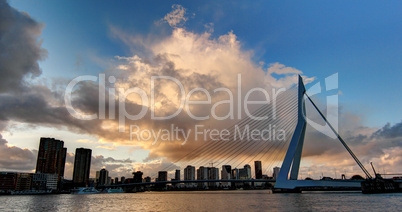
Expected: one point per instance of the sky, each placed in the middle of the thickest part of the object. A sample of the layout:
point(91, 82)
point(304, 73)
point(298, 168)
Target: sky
point(46, 44)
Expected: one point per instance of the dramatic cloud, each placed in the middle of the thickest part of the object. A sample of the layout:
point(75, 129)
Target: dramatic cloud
point(20, 48)
point(196, 60)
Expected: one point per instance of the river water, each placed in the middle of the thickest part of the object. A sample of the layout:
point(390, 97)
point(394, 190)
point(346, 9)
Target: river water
point(260, 200)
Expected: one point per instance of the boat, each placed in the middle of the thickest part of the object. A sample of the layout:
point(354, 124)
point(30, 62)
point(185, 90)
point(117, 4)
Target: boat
point(381, 185)
point(31, 192)
point(85, 190)
point(114, 190)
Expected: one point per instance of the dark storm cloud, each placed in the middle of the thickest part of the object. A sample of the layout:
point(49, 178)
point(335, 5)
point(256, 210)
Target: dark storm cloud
point(20, 49)
point(389, 131)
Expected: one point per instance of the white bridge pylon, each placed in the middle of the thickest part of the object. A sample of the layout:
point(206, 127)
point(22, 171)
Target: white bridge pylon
point(291, 162)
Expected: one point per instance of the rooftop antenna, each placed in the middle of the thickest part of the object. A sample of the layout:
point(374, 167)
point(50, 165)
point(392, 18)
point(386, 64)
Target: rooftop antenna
point(212, 163)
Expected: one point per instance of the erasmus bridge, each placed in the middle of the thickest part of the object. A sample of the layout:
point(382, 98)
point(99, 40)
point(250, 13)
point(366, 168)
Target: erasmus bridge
point(286, 126)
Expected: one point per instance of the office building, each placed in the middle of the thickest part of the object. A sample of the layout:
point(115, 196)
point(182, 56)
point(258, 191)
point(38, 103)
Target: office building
point(235, 174)
point(51, 157)
point(137, 177)
point(162, 176)
point(276, 172)
point(103, 177)
point(116, 180)
point(258, 169)
point(243, 174)
point(177, 175)
point(8, 181)
point(122, 179)
point(24, 181)
point(189, 173)
point(213, 174)
point(248, 171)
point(226, 173)
point(82, 167)
point(43, 181)
point(202, 174)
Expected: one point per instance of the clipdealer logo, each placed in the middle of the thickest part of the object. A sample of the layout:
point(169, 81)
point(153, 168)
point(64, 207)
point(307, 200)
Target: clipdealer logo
point(174, 133)
point(331, 86)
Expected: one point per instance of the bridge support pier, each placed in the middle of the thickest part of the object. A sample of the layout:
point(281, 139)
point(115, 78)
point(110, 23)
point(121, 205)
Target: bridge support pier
point(287, 182)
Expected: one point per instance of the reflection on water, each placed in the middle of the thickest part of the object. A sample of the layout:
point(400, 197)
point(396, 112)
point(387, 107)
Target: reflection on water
point(204, 201)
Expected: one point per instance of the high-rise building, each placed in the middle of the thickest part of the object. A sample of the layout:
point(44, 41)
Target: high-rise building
point(213, 174)
point(226, 174)
point(235, 174)
point(103, 177)
point(243, 174)
point(162, 176)
point(202, 174)
point(82, 166)
point(177, 175)
point(248, 171)
point(189, 173)
point(116, 180)
point(276, 172)
point(258, 169)
point(137, 177)
point(97, 176)
point(51, 157)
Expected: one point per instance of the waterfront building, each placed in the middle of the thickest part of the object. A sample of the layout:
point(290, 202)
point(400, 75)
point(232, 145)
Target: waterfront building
point(82, 167)
point(276, 172)
point(243, 174)
point(44, 181)
point(202, 174)
point(235, 174)
point(213, 174)
point(248, 171)
point(8, 181)
point(226, 173)
point(122, 179)
point(137, 177)
point(24, 181)
point(51, 157)
point(147, 179)
point(189, 174)
point(258, 169)
point(116, 180)
point(162, 176)
point(103, 177)
point(177, 175)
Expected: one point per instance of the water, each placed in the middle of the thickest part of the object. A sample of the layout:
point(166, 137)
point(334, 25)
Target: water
point(261, 200)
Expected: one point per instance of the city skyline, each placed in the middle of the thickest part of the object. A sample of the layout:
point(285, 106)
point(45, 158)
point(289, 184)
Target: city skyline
point(204, 46)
